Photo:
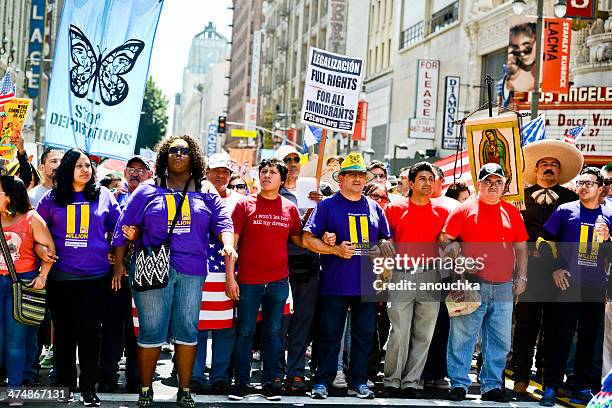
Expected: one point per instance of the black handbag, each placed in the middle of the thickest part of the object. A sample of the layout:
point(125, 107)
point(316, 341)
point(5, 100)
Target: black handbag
point(153, 263)
point(28, 303)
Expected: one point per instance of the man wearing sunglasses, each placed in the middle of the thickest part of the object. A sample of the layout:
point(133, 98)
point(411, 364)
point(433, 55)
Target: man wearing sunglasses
point(303, 278)
point(218, 324)
point(581, 231)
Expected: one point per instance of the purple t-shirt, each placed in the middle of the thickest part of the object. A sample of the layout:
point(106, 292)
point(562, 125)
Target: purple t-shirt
point(152, 209)
point(362, 223)
point(78, 231)
point(573, 227)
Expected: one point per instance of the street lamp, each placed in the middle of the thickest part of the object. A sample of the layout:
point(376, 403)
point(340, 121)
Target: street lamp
point(518, 6)
point(402, 146)
point(560, 8)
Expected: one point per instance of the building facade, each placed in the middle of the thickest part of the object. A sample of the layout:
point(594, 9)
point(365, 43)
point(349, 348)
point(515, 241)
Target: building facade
point(203, 97)
point(247, 19)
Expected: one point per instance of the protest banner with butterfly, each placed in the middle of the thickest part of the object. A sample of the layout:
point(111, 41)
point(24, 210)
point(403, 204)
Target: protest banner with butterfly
point(99, 75)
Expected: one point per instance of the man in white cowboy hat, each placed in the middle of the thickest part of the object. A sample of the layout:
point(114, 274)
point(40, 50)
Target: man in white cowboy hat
point(493, 235)
point(548, 164)
point(359, 225)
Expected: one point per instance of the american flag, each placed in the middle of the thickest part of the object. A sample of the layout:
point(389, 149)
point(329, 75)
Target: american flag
point(7, 89)
point(533, 131)
point(216, 310)
point(463, 173)
point(571, 135)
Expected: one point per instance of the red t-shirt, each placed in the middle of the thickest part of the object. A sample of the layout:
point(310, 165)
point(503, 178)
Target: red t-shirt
point(488, 231)
point(264, 226)
point(411, 223)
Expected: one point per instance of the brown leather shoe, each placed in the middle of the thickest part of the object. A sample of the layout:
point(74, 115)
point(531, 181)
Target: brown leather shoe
point(520, 388)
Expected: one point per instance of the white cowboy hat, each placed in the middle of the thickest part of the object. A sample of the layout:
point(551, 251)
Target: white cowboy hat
point(568, 155)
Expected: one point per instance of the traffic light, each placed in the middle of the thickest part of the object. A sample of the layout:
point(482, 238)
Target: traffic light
point(221, 125)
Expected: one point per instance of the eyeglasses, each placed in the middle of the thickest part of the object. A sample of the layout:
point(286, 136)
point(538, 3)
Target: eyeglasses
point(237, 187)
point(586, 183)
point(496, 183)
point(289, 160)
point(175, 151)
point(376, 197)
point(132, 170)
point(380, 176)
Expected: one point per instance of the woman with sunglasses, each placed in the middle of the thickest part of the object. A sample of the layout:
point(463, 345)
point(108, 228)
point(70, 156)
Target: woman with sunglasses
point(377, 192)
point(172, 313)
point(23, 227)
point(238, 184)
point(79, 214)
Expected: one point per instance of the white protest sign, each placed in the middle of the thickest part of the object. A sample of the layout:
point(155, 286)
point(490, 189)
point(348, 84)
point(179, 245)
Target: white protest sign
point(331, 92)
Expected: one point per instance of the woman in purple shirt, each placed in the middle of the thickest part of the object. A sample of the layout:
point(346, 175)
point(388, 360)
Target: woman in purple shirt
point(79, 214)
point(172, 313)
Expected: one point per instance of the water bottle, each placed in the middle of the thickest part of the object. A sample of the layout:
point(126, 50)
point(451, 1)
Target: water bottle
point(599, 227)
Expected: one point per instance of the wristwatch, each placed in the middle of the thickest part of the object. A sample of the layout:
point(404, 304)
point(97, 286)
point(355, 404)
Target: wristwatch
point(522, 278)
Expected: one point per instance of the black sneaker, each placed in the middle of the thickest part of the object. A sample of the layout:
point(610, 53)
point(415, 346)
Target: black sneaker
point(495, 395)
point(220, 388)
point(456, 394)
point(66, 398)
point(272, 391)
point(184, 399)
point(412, 393)
point(145, 398)
point(239, 391)
point(90, 399)
point(296, 384)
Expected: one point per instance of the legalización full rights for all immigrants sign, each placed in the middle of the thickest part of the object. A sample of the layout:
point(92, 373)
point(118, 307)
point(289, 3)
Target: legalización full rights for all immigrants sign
point(331, 92)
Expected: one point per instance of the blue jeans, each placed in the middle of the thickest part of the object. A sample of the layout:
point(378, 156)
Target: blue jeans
point(14, 334)
point(170, 313)
point(494, 320)
point(272, 297)
point(363, 326)
point(222, 346)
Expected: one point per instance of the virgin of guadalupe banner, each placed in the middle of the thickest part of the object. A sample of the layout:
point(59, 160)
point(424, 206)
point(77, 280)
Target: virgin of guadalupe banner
point(497, 140)
point(99, 75)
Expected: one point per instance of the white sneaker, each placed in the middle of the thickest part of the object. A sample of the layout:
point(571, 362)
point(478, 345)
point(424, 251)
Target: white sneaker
point(370, 384)
point(340, 380)
point(167, 348)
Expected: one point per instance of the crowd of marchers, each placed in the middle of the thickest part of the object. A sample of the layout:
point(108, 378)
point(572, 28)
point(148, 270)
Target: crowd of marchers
point(264, 279)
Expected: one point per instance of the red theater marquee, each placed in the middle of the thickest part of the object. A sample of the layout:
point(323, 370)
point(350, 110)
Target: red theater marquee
point(590, 106)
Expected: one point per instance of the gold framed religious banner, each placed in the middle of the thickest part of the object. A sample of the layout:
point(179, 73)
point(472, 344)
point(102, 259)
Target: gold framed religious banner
point(497, 140)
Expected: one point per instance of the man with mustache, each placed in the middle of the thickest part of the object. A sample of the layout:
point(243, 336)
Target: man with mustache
point(548, 163)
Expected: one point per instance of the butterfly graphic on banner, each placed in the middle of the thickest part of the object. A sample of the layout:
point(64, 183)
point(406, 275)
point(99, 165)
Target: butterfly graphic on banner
point(91, 68)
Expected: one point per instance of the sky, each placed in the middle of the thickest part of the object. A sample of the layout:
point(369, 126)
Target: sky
point(179, 22)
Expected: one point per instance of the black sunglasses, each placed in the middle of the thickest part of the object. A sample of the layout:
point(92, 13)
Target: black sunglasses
point(288, 160)
point(175, 151)
point(237, 187)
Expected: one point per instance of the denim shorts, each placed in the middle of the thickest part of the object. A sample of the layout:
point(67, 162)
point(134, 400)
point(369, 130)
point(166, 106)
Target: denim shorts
point(170, 314)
